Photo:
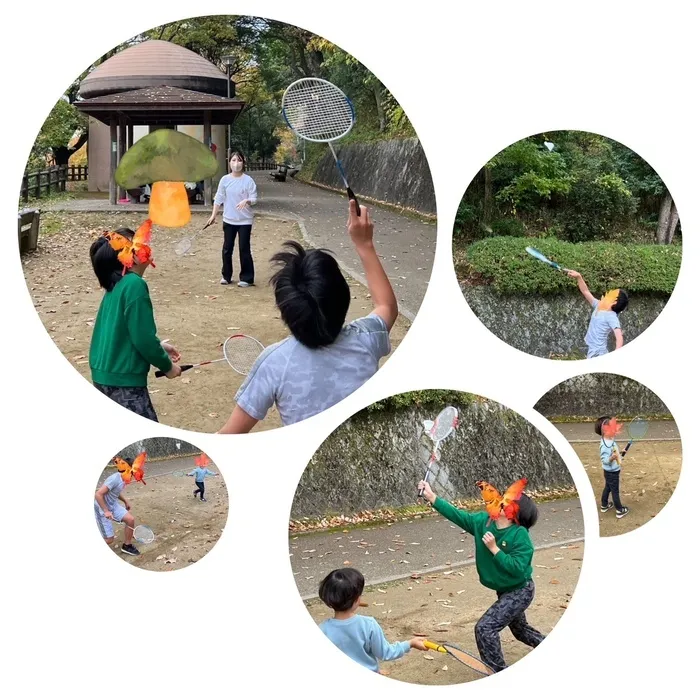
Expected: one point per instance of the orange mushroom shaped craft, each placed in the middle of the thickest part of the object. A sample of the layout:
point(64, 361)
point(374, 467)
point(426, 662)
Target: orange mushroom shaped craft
point(166, 160)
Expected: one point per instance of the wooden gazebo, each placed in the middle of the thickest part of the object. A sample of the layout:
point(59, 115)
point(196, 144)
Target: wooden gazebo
point(159, 85)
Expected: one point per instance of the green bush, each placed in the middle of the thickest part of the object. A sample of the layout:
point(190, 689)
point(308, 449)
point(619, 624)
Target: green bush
point(504, 264)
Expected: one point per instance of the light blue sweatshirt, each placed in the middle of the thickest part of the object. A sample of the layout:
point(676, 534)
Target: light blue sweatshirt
point(200, 472)
point(362, 639)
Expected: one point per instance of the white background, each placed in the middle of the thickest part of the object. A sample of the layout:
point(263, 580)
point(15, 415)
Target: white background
point(472, 79)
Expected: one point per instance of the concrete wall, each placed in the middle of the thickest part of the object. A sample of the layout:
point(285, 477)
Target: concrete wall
point(543, 326)
point(600, 394)
point(376, 459)
point(393, 171)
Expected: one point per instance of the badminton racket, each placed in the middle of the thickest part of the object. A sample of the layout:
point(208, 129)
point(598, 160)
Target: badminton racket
point(180, 472)
point(184, 245)
point(462, 656)
point(543, 258)
point(316, 110)
point(240, 351)
point(142, 533)
point(442, 427)
point(636, 430)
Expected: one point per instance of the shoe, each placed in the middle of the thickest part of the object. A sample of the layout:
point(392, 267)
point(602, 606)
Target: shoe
point(605, 509)
point(204, 499)
point(622, 513)
point(245, 284)
point(223, 281)
point(130, 549)
point(194, 493)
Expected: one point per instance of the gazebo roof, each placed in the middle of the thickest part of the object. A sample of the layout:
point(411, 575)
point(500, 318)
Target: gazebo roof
point(163, 105)
point(152, 63)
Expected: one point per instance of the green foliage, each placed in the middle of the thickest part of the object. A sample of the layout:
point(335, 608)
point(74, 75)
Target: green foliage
point(508, 227)
point(56, 132)
point(587, 188)
point(429, 398)
point(504, 264)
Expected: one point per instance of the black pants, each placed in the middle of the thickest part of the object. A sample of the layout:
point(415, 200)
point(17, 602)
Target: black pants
point(507, 611)
point(612, 486)
point(199, 490)
point(246, 257)
point(135, 398)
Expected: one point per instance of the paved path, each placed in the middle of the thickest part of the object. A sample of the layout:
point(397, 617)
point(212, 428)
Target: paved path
point(405, 244)
point(391, 552)
point(659, 430)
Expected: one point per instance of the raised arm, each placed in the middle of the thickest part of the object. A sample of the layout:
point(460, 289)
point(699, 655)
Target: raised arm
point(447, 510)
point(361, 230)
point(582, 286)
point(619, 341)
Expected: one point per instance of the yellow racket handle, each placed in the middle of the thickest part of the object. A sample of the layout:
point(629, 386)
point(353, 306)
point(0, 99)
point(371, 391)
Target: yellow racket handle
point(435, 647)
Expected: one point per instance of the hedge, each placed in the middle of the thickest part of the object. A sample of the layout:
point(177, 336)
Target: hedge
point(504, 264)
point(429, 398)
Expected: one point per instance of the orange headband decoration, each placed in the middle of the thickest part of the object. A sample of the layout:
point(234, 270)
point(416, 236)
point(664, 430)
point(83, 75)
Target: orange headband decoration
point(611, 428)
point(202, 460)
point(133, 470)
point(609, 300)
point(506, 504)
point(131, 252)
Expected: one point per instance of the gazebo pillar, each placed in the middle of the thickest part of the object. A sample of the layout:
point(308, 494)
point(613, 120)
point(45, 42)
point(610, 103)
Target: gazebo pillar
point(112, 160)
point(122, 150)
point(207, 143)
point(129, 136)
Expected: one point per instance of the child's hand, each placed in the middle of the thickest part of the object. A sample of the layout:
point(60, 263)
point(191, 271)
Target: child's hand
point(428, 494)
point(573, 273)
point(127, 505)
point(173, 354)
point(108, 514)
point(418, 643)
point(175, 371)
point(242, 205)
point(490, 541)
point(360, 228)
point(211, 219)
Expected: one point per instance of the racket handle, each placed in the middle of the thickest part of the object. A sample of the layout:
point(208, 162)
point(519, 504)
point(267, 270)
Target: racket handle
point(433, 646)
point(351, 196)
point(629, 444)
point(184, 368)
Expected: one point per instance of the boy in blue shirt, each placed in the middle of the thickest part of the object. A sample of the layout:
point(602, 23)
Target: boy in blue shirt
point(358, 636)
point(611, 461)
point(200, 472)
point(604, 318)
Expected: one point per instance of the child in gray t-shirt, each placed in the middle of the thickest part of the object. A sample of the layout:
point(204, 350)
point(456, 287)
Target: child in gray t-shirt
point(324, 360)
point(604, 318)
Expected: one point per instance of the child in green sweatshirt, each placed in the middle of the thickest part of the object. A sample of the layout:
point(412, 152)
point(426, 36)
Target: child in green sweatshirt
point(124, 342)
point(503, 553)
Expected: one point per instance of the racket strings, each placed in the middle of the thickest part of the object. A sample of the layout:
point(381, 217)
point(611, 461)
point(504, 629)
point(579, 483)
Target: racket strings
point(317, 111)
point(444, 424)
point(241, 352)
point(637, 429)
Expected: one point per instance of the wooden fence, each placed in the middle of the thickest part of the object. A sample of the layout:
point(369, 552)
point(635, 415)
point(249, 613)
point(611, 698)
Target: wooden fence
point(43, 182)
point(262, 165)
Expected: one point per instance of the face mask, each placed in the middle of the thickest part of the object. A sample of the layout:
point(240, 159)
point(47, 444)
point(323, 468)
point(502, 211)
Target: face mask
point(236, 166)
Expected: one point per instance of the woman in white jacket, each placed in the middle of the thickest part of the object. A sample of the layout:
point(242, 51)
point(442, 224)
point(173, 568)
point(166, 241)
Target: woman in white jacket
point(238, 193)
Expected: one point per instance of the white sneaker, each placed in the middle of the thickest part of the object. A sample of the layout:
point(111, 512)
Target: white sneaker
point(223, 281)
point(244, 284)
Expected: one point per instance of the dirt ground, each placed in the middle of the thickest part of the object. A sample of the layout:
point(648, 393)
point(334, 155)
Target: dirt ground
point(444, 607)
point(186, 529)
point(192, 309)
point(649, 476)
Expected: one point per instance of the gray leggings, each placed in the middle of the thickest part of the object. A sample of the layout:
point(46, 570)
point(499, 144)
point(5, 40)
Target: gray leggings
point(507, 611)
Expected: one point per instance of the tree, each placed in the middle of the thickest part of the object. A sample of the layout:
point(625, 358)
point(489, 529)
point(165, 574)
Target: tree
point(58, 131)
point(668, 220)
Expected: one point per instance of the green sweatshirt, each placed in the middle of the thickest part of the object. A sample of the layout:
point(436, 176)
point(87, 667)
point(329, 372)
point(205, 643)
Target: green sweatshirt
point(124, 343)
point(506, 571)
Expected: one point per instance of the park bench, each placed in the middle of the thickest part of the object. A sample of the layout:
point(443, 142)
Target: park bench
point(280, 175)
point(28, 230)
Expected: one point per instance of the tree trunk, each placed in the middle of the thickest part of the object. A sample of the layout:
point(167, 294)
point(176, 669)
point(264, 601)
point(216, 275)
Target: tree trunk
point(487, 213)
point(380, 107)
point(668, 220)
point(62, 154)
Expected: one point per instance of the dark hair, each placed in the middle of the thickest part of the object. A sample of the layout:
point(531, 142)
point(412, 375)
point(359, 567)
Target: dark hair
point(241, 155)
point(600, 423)
point(528, 513)
point(341, 588)
point(105, 264)
point(311, 294)
point(621, 304)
